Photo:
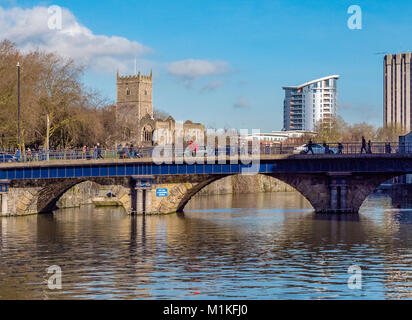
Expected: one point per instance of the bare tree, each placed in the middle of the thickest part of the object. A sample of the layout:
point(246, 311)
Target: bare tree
point(51, 87)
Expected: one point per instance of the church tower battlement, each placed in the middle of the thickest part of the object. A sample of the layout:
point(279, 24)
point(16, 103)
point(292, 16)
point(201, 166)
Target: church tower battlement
point(134, 96)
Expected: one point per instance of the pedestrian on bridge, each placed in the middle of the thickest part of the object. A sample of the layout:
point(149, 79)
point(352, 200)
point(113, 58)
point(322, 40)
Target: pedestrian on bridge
point(310, 144)
point(326, 147)
point(388, 148)
point(126, 151)
point(340, 148)
point(369, 147)
point(29, 154)
point(363, 145)
point(191, 148)
point(99, 151)
point(17, 154)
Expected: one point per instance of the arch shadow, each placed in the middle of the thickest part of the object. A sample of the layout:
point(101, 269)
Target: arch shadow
point(49, 195)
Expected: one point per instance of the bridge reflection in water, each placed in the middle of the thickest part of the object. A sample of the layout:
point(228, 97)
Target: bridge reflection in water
point(266, 246)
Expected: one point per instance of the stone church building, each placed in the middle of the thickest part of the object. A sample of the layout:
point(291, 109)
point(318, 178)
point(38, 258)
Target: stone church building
point(134, 113)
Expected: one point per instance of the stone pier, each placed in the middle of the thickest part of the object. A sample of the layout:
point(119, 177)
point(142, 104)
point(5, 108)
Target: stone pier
point(142, 200)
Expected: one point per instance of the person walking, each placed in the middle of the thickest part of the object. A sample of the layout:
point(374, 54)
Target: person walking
point(119, 150)
point(369, 147)
point(17, 154)
point(99, 151)
point(340, 148)
point(363, 145)
point(191, 148)
point(388, 148)
point(326, 147)
point(125, 151)
point(196, 148)
point(29, 154)
point(310, 144)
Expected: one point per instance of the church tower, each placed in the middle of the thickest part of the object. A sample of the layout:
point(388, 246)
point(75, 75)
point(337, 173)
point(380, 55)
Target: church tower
point(134, 96)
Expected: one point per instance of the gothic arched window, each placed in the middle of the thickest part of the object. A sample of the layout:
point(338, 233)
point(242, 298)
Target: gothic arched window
point(147, 134)
point(128, 92)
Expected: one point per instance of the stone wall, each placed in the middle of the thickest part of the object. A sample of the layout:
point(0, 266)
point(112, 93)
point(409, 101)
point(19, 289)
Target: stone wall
point(80, 194)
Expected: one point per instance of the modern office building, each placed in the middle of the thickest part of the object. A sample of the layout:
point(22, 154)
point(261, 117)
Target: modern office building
point(310, 103)
point(397, 102)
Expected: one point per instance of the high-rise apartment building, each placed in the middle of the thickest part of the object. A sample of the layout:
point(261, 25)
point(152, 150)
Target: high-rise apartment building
point(397, 102)
point(310, 103)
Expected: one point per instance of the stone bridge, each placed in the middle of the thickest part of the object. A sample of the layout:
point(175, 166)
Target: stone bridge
point(331, 183)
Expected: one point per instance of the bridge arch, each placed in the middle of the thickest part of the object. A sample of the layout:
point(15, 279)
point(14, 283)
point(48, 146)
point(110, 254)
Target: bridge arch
point(180, 192)
point(30, 197)
point(49, 195)
point(351, 190)
point(302, 188)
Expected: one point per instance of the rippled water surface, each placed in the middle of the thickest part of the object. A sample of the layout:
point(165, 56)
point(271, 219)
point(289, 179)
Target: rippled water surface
point(265, 246)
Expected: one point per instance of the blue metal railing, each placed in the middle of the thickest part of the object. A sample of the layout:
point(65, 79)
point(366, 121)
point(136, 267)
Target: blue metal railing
point(147, 153)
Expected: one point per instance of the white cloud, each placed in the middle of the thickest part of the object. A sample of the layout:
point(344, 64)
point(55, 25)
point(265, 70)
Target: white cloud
point(191, 69)
point(212, 86)
point(28, 28)
point(241, 103)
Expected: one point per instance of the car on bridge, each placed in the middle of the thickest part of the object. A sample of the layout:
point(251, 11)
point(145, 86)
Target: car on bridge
point(317, 149)
point(6, 157)
point(202, 151)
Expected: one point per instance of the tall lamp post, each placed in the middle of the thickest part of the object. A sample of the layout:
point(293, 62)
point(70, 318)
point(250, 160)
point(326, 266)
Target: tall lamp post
point(18, 105)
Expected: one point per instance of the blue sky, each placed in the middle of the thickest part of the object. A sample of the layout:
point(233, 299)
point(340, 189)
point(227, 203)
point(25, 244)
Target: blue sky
point(223, 63)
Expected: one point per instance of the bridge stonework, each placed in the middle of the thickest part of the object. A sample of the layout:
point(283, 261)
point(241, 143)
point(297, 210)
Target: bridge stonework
point(335, 192)
point(180, 189)
point(329, 183)
point(40, 196)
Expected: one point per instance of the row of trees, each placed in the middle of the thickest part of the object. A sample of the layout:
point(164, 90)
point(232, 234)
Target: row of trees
point(339, 131)
point(51, 87)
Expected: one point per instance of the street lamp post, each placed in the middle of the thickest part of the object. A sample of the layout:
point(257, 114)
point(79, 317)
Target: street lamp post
point(18, 105)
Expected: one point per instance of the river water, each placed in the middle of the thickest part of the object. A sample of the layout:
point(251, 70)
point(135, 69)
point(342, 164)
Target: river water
point(256, 246)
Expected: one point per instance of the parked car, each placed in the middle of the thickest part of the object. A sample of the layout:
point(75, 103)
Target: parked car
point(6, 157)
point(317, 149)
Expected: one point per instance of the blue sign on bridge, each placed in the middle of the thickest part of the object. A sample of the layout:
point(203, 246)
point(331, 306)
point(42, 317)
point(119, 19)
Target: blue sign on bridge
point(161, 192)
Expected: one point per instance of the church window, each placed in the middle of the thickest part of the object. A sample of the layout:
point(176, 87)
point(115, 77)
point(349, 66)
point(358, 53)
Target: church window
point(147, 134)
point(128, 91)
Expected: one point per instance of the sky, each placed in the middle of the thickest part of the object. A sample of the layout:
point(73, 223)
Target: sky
point(222, 62)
